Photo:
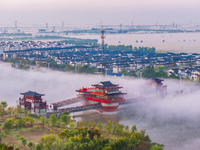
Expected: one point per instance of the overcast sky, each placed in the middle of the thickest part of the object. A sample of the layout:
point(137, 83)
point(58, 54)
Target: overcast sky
point(86, 12)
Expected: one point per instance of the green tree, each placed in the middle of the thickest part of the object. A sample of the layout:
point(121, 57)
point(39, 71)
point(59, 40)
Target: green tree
point(109, 123)
point(32, 122)
point(85, 124)
point(48, 141)
point(30, 145)
point(17, 135)
point(24, 142)
point(156, 146)
point(160, 68)
point(53, 120)
point(62, 135)
point(76, 132)
point(133, 129)
point(114, 126)
point(62, 124)
point(80, 123)
point(17, 110)
point(89, 124)
point(42, 120)
point(3, 135)
point(4, 105)
point(108, 129)
point(124, 72)
point(91, 134)
point(10, 110)
point(99, 125)
point(84, 133)
point(127, 129)
point(65, 118)
point(39, 147)
point(69, 68)
point(71, 125)
point(20, 124)
point(25, 111)
point(8, 124)
point(93, 124)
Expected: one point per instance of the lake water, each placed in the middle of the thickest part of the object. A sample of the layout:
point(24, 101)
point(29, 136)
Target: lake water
point(175, 42)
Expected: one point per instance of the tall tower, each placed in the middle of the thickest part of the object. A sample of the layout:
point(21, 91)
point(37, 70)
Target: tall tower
point(15, 24)
point(102, 37)
point(173, 25)
point(120, 26)
point(63, 25)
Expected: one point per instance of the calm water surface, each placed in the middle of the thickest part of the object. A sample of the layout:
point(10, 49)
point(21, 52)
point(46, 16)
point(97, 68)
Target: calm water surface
point(176, 42)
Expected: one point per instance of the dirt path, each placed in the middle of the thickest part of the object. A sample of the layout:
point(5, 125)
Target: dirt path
point(15, 141)
point(45, 127)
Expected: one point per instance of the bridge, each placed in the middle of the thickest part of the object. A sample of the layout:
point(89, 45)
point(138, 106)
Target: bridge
point(76, 109)
point(127, 101)
point(67, 102)
point(79, 108)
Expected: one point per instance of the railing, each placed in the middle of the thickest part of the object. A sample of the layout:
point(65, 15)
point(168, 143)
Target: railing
point(65, 102)
point(119, 99)
point(78, 108)
point(37, 105)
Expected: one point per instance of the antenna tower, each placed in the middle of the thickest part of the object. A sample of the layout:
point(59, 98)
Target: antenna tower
point(102, 37)
point(120, 26)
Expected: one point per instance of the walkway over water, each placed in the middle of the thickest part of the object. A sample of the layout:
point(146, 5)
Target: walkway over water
point(76, 109)
point(67, 102)
point(127, 101)
point(80, 108)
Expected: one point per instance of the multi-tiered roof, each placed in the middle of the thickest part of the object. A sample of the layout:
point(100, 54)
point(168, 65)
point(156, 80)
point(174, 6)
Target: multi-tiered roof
point(104, 92)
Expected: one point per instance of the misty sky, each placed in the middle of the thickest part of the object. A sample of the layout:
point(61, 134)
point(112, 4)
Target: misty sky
point(87, 12)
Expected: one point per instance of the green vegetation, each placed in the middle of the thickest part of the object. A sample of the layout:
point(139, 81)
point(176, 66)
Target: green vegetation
point(57, 135)
point(15, 34)
point(23, 64)
point(6, 147)
point(86, 69)
point(158, 71)
point(25, 37)
point(130, 48)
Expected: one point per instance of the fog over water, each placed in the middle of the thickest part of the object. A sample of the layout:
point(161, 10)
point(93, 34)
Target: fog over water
point(174, 42)
point(172, 120)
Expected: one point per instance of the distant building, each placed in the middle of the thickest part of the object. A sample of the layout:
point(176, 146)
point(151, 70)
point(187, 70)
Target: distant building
point(33, 102)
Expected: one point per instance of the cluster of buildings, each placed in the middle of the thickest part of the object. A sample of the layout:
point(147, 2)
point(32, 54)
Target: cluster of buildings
point(114, 61)
point(193, 73)
point(24, 45)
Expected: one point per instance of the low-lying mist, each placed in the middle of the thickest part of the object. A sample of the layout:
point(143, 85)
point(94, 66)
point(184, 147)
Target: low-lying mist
point(172, 120)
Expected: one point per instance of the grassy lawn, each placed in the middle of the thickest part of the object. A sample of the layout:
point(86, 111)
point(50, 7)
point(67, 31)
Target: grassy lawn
point(34, 135)
point(30, 134)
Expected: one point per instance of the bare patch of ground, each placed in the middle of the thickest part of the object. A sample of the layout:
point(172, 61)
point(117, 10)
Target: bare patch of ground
point(34, 135)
